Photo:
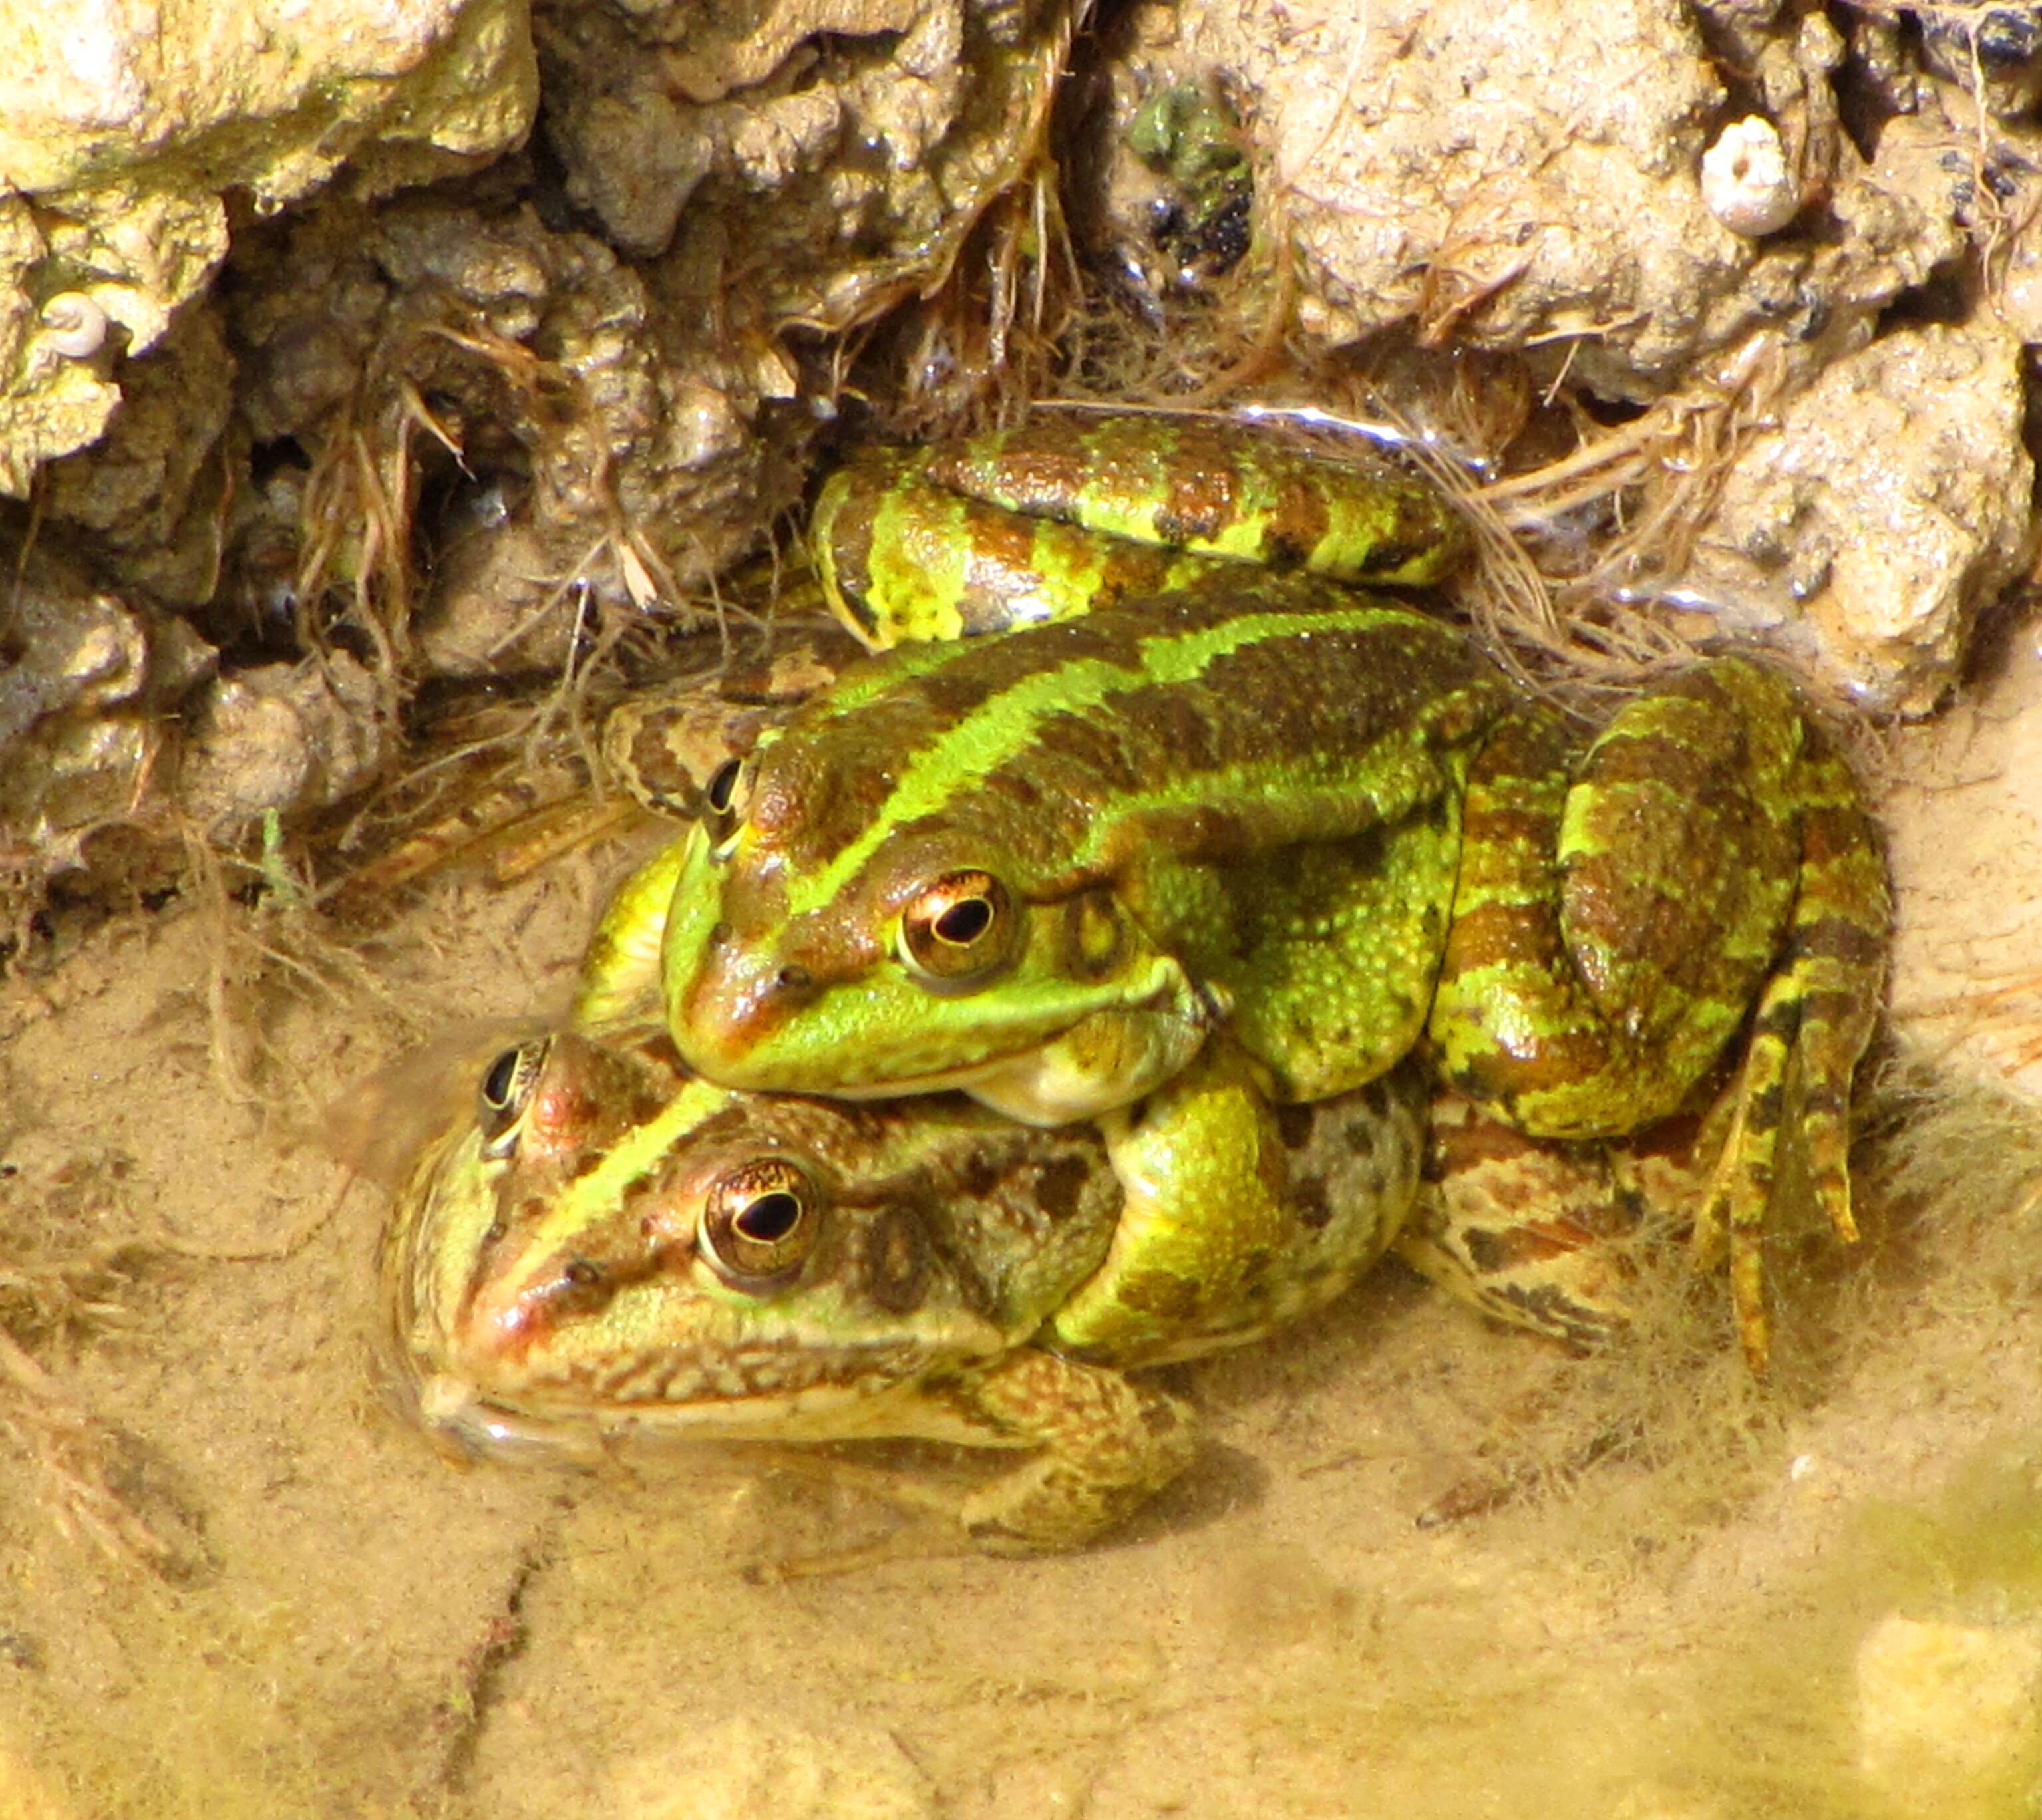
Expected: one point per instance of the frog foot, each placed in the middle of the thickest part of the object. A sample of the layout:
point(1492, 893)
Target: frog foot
point(1102, 1447)
point(1106, 1445)
point(1814, 1020)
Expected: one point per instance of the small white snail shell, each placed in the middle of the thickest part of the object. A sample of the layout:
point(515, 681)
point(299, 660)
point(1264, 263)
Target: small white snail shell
point(1744, 180)
point(76, 325)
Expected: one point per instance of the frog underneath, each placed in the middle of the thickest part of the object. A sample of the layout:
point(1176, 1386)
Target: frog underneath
point(602, 1249)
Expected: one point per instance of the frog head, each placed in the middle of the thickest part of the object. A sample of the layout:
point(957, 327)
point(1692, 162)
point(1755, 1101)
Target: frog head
point(603, 1245)
point(942, 958)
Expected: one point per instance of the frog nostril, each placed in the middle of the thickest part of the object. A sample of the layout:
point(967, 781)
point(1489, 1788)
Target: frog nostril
point(792, 979)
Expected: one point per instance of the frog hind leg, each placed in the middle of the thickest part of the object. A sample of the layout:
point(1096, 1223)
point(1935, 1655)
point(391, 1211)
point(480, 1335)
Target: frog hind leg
point(1548, 1235)
point(1530, 1233)
point(1813, 1021)
point(1617, 917)
point(1618, 908)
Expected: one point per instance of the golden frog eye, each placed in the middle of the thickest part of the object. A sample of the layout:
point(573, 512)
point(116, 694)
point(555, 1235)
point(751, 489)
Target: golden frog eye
point(961, 930)
point(759, 1224)
point(506, 1092)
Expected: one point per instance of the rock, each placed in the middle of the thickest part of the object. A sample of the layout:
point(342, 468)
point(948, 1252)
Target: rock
point(287, 737)
point(1996, 48)
point(124, 126)
point(149, 492)
point(1890, 504)
point(606, 461)
point(853, 143)
point(1493, 173)
point(1495, 176)
point(85, 685)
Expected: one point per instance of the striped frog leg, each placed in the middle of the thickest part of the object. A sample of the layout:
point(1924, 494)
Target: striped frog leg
point(1619, 913)
point(1546, 1235)
point(1066, 514)
point(1814, 1019)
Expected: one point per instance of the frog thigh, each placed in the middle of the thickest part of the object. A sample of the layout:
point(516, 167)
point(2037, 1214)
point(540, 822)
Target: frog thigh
point(1239, 1218)
point(1615, 916)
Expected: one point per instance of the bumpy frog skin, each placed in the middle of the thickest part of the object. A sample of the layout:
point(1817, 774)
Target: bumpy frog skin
point(604, 1249)
point(1045, 866)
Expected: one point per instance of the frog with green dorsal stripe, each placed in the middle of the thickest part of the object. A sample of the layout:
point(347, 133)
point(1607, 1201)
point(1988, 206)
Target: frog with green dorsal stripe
point(602, 1249)
point(1048, 866)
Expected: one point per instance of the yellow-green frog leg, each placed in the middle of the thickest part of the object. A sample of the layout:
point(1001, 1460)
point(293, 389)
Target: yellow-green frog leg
point(1615, 916)
point(1106, 1445)
point(1814, 1020)
point(1100, 1445)
point(1067, 513)
point(1240, 1218)
point(1325, 954)
point(903, 558)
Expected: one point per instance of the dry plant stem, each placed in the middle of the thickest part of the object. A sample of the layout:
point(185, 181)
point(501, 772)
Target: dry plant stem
point(2013, 1008)
point(1657, 478)
point(71, 1446)
point(238, 959)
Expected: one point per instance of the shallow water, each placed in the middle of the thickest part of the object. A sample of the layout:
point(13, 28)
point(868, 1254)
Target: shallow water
point(238, 1583)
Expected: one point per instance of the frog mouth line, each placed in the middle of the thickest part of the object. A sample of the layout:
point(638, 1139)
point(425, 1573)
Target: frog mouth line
point(477, 1426)
point(942, 1080)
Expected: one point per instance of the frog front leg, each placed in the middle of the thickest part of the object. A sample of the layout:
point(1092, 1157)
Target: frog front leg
point(1238, 1217)
point(1099, 1446)
point(1105, 1445)
point(1621, 913)
point(618, 990)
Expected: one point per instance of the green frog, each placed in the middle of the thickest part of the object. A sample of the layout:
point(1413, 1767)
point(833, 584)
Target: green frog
point(1051, 866)
point(604, 1248)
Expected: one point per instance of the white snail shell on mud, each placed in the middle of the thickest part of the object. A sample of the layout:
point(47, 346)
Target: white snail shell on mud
point(74, 326)
point(1745, 179)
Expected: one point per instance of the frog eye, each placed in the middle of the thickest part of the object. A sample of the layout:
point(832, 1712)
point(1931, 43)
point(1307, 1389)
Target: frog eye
point(759, 1224)
point(961, 930)
point(722, 785)
point(727, 795)
point(506, 1092)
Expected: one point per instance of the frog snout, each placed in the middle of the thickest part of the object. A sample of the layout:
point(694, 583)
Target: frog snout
point(737, 1004)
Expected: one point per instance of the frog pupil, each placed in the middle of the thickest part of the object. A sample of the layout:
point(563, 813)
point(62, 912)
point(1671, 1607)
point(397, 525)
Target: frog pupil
point(962, 924)
point(768, 1219)
point(723, 784)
